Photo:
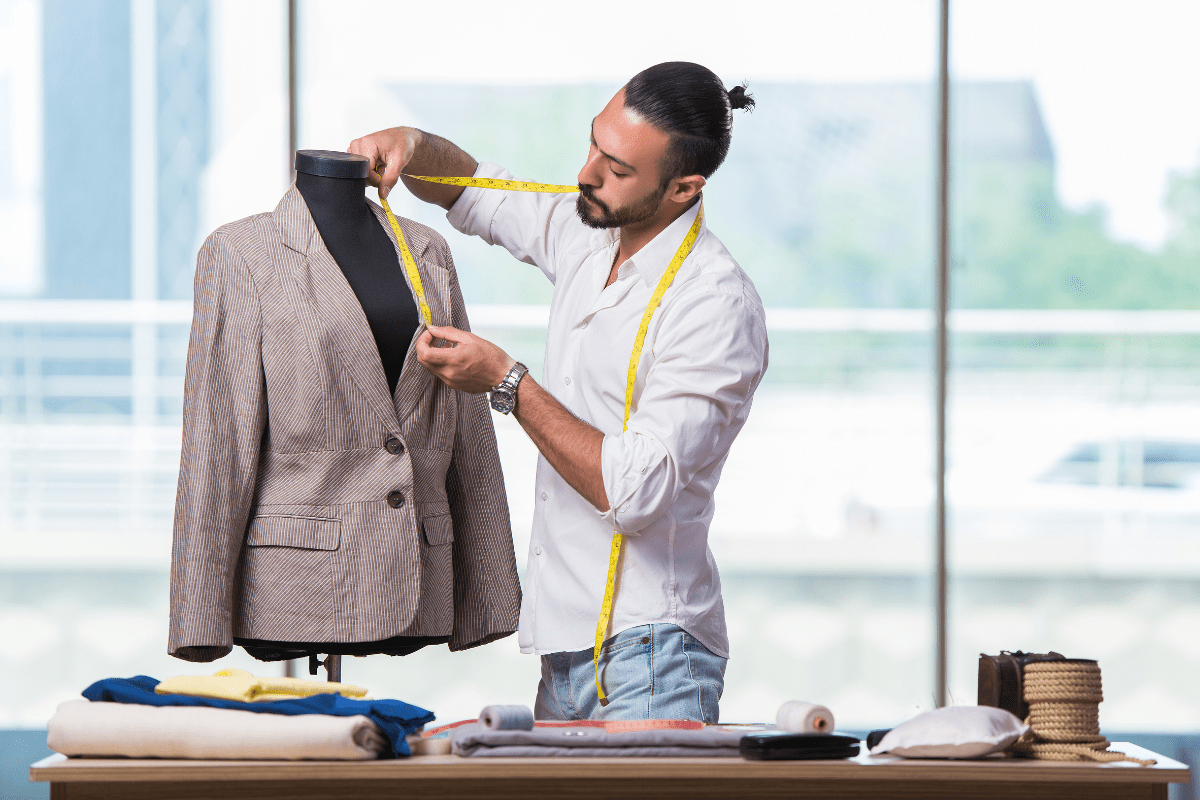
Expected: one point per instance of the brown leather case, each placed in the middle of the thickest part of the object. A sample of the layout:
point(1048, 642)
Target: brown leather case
point(1001, 679)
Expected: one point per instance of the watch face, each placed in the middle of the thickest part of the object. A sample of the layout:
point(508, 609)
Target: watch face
point(503, 401)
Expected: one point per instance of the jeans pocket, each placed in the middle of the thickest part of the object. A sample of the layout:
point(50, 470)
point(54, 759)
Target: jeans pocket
point(625, 667)
point(705, 665)
point(707, 671)
point(636, 637)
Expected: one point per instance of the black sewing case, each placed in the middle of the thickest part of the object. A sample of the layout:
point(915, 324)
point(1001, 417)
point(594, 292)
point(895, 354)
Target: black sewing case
point(785, 746)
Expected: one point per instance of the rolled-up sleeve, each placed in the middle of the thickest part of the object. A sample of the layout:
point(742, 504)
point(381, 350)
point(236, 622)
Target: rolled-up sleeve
point(526, 224)
point(709, 354)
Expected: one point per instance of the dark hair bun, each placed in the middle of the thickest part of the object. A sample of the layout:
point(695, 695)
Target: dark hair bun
point(739, 99)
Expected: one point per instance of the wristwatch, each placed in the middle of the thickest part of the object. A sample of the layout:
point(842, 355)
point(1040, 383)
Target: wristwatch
point(504, 396)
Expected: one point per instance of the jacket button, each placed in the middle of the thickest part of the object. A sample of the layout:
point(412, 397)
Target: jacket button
point(394, 446)
point(395, 499)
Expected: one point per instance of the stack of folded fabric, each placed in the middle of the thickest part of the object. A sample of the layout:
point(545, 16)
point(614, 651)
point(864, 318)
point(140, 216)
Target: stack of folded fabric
point(232, 715)
point(707, 742)
point(509, 731)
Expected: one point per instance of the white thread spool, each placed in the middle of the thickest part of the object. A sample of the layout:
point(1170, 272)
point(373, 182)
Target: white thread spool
point(798, 716)
point(506, 718)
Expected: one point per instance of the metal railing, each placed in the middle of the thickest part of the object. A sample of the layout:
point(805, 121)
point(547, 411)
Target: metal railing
point(881, 320)
point(130, 353)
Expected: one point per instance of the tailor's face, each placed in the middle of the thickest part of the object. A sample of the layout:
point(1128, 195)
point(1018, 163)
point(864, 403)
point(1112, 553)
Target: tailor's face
point(620, 184)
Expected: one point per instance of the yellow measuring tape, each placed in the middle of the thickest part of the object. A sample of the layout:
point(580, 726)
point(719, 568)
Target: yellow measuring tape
point(685, 248)
point(495, 183)
point(614, 553)
point(410, 265)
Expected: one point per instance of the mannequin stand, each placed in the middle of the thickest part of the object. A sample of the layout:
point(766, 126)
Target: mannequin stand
point(333, 667)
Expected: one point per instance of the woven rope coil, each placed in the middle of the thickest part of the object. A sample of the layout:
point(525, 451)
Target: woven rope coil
point(1064, 714)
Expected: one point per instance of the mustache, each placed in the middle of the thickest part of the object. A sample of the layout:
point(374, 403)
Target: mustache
point(590, 193)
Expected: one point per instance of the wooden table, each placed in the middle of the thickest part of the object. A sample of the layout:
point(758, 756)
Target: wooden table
point(454, 777)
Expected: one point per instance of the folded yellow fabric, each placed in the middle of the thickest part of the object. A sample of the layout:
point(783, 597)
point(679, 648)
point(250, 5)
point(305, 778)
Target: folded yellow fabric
point(237, 684)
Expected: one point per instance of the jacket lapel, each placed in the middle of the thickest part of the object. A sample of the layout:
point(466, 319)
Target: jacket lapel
point(415, 380)
point(337, 306)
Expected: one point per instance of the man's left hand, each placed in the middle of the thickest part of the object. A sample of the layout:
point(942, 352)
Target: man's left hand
point(464, 361)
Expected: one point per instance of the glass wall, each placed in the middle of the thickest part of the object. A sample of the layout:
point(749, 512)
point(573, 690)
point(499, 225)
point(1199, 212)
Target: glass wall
point(1074, 481)
point(130, 129)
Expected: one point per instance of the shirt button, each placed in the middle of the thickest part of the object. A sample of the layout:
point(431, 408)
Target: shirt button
point(537, 551)
point(395, 499)
point(394, 446)
point(583, 324)
point(567, 381)
point(545, 496)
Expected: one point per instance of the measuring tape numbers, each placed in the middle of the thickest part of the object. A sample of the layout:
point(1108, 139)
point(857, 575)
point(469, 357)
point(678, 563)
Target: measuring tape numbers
point(685, 248)
point(495, 183)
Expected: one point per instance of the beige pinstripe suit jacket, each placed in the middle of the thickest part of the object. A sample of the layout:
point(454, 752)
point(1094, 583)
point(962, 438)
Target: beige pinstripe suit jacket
point(283, 530)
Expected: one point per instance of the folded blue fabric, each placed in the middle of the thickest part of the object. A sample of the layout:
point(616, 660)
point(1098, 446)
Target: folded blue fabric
point(396, 719)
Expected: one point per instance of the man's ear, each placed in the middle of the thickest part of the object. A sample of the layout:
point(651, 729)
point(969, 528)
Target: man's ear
point(682, 190)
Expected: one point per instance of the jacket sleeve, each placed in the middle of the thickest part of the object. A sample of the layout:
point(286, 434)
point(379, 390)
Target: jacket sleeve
point(487, 592)
point(224, 414)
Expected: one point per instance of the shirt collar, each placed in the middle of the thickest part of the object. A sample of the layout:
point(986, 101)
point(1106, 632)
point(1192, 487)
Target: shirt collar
point(653, 259)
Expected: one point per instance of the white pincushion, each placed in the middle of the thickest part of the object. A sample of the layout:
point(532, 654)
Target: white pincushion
point(953, 732)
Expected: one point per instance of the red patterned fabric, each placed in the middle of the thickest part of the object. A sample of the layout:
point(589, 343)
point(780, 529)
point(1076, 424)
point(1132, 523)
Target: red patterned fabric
point(609, 725)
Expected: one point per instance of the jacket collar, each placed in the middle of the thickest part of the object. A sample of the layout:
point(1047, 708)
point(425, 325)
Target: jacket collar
point(342, 312)
point(299, 232)
point(295, 223)
point(416, 383)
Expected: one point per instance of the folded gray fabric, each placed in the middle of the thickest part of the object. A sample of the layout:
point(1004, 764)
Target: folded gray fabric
point(712, 741)
point(605, 752)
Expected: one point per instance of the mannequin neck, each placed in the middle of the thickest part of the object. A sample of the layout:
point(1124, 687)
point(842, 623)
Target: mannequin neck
point(333, 200)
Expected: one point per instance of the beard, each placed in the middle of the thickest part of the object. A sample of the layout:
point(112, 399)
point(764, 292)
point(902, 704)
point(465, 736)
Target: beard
point(637, 211)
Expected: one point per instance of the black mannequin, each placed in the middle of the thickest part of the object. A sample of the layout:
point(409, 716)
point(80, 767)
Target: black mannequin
point(361, 247)
point(333, 186)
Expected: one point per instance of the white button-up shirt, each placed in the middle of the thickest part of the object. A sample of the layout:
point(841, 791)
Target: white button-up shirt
point(705, 354)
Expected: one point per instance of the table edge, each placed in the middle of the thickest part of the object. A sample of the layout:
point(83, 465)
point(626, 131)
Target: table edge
point(57, 768)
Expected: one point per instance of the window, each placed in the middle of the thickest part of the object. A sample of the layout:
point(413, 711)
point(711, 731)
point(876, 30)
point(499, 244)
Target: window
point(1076, 347)
point(130, 130)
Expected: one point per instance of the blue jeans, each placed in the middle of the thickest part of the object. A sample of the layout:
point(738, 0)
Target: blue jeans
point(657, 671)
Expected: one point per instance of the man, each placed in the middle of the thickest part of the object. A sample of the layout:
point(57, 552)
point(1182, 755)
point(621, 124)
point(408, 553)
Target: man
point(705, 351)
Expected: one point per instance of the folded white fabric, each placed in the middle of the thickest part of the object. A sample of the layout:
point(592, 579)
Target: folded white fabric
point(953, 732)
point(83, 728)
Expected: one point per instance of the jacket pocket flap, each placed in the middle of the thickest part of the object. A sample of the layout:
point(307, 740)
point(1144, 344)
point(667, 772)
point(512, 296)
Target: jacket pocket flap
point(438, 530)
point(283, 530)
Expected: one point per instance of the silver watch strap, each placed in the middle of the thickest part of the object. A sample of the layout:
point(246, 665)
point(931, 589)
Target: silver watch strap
point(515, 373)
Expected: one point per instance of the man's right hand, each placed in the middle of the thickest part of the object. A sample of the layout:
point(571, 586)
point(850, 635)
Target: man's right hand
point(389, 151)
point(398, 150)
